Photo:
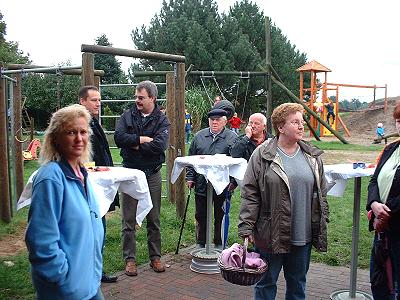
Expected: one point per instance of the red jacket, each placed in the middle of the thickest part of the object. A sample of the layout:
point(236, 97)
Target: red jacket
point(235, 122)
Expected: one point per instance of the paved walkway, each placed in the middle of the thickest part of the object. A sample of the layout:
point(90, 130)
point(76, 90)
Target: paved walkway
point(179, 282)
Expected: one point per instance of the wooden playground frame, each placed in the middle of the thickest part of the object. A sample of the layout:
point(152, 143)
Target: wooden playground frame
point(315, 67)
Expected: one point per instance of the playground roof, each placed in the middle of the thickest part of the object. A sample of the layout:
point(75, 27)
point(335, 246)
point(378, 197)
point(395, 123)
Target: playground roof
point(313, 66)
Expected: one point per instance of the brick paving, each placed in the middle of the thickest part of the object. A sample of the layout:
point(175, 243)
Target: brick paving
point(179, 282)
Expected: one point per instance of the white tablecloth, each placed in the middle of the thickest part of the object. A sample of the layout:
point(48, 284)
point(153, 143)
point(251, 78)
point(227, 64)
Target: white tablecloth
point(215, 168)
point(338, 175)
point(105, 185)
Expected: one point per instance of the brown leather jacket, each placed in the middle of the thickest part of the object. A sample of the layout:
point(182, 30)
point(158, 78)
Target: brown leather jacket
point(265, 209)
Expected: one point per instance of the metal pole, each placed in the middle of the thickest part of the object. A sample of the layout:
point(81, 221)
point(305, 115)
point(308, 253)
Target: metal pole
point(354, 243)
point(131, 53)
point(209, 216)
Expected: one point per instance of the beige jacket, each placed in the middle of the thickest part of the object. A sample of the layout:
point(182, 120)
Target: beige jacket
point(265, 209)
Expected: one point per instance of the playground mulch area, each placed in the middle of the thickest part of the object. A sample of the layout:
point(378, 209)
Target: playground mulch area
point(179, 282)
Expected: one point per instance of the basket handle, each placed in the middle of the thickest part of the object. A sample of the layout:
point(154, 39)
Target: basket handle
point(245, 245)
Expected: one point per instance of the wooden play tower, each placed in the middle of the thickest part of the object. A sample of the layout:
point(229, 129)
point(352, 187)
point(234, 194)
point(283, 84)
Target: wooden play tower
point(320, 104)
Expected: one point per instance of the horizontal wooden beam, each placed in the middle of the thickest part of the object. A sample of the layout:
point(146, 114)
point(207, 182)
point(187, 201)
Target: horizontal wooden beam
point(132, 53)
point(357, 86)
point(50, 70)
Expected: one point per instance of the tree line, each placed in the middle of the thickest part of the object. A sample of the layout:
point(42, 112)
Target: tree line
point(213, 41)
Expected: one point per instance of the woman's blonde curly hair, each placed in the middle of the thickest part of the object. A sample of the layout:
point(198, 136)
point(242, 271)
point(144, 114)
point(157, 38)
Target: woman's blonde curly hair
point(281, 112)
point(59, 119)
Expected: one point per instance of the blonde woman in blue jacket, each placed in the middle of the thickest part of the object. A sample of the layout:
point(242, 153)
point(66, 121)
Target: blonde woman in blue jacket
point(65, 233)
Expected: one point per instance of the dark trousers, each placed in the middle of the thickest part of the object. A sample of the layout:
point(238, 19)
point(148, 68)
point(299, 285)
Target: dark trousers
point(328, 116)
point(129, 207)
point(381, 292)
point(201, 217)
point(295, 267)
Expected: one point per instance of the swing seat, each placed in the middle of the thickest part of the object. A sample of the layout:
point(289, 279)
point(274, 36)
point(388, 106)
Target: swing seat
point(31, 152)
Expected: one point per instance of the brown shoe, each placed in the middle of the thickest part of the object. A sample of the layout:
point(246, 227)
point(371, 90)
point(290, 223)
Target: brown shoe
point(157, 265)
point(130, 268)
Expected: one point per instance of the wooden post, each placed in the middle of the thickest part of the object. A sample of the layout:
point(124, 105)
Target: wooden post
point(87, 77)
point(5, 211)
point(97, 81)
point(268, 86)
point(32, 129)
point(373, 103)
point(180, 135)
point(19, 162)
point(385, 104)
point(171, 150)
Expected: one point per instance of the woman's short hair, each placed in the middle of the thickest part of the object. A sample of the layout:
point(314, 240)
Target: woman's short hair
point(59, 119)
point(396, 111)
point(280, 114)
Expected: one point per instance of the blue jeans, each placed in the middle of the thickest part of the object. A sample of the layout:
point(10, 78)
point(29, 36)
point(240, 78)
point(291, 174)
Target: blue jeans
point(382, 292)
point(98, 296)
point(295, 267)
point(187, 135)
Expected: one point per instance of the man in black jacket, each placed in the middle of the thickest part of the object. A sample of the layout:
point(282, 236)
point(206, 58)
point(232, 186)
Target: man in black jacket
point(255, 134)
point(142, 135)
point(89, 97)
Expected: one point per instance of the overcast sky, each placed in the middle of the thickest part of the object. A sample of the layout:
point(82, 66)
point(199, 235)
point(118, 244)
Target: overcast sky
point(356, 39)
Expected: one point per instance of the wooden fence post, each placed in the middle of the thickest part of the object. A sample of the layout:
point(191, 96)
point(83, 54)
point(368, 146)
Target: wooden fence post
point(19, 162)
point(171, 150)
point(5, 211)
point(180, 135)
point(87, 77)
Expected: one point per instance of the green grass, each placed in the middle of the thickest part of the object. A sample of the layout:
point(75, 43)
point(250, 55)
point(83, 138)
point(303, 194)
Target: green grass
point(15, 281)
point(337, 145)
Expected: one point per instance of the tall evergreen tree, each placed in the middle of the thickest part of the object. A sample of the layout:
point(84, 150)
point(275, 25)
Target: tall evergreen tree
point(232, 41)
point(111, 66)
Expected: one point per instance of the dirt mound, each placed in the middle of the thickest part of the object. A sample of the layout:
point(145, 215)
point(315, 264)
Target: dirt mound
point(364, 122)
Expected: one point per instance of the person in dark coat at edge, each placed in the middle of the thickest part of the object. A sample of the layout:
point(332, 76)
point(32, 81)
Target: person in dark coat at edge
point(384, 201)
point(255, 134)
point(89, 97)
point(142, 135)
point(209, 141)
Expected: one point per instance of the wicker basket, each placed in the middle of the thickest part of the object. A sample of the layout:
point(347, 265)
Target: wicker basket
point(241, 276)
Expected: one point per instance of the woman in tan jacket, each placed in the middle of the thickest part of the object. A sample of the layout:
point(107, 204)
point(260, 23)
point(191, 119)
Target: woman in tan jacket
point(284, 209)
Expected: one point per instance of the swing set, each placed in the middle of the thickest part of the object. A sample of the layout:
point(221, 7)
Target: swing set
point(243, 76)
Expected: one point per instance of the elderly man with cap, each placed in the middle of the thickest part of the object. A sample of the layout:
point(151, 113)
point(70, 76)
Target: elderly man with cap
point(209, 141)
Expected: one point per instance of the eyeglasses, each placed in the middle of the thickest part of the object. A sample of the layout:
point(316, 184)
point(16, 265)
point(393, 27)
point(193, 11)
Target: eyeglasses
point(140, 98)
point(298, 123)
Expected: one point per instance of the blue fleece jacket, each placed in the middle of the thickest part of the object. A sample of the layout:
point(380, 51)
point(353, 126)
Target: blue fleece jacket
point(64, 235)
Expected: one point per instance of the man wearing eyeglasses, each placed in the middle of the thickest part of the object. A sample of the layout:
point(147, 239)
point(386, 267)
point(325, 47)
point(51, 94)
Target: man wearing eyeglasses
point(142, 135)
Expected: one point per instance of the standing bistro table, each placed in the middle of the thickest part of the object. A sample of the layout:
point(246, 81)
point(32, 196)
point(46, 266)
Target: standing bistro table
point(216, 169)
point(105, 185)
point(339, 175)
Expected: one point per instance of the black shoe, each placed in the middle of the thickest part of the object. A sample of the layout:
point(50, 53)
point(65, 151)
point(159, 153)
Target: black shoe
point(108, 278)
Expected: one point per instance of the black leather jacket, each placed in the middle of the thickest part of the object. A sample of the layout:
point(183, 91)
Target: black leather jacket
point(130, 127)
point(393, 200)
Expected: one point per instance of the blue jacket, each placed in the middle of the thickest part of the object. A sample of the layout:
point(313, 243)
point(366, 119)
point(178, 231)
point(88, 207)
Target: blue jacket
point(64, 235)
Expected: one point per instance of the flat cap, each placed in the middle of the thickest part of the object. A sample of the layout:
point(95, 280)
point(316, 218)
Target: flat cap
point(216, 113)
